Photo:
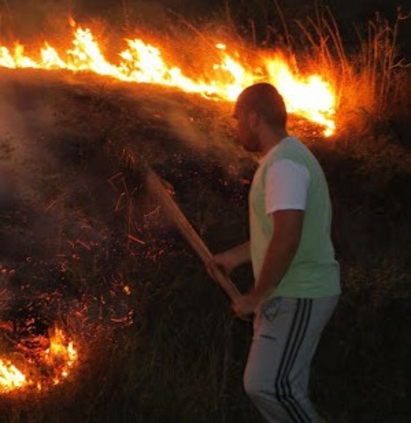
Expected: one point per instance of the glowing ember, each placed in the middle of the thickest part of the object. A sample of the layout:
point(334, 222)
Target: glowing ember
point(61, 354)
point(10, 377)
point(310, 96)
point(55, 363)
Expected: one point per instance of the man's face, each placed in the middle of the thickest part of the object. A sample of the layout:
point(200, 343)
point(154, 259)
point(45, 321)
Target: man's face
point(246, 130)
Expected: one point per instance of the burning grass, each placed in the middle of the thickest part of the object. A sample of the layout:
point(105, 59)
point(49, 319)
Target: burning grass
point(321, 77)
point(222, 78)
point(146, 336)
point(144, 318)
point(48, 361)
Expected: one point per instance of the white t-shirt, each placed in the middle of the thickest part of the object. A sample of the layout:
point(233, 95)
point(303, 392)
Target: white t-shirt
point(286, 186)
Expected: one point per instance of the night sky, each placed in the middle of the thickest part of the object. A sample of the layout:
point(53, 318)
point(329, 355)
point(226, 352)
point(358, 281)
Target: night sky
point(38, 18)
point(358, 10)
point(260, 12)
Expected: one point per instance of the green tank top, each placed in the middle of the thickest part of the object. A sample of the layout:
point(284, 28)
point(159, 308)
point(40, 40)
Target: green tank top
point(314, 272)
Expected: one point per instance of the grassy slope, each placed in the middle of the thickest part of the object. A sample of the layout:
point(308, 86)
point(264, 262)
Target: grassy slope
point(182, 358)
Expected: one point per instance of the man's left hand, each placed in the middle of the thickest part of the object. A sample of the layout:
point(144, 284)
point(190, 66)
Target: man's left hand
point(245, 306)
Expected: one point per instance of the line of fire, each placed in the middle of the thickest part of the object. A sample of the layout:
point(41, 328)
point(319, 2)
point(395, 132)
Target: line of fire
point(43, 358)
point(309, 96)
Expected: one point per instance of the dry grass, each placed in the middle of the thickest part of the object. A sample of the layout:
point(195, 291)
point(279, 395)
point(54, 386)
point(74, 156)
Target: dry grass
point(183, 357)
point(367, 77)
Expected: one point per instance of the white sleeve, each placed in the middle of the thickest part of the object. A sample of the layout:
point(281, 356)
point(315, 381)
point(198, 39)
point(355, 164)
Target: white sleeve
point(286, 186)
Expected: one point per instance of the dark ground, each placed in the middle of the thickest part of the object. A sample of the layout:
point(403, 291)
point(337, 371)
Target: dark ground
point(65, 139)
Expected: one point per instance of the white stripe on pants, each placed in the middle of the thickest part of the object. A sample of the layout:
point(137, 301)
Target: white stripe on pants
point(286, 335)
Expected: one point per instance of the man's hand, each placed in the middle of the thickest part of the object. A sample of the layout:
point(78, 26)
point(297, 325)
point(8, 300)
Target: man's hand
point(228, 260)
point(245, 306)
point(222, 262)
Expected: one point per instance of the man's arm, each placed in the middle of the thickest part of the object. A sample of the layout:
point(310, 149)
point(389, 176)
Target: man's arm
point(229, 260)
point(280, 253)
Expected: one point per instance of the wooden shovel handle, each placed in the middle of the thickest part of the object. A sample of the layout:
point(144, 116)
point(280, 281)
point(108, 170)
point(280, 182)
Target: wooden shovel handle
point(156, 187)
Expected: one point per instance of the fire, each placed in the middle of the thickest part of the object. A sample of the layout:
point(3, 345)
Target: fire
point(60, 354)
point(310, 96)
point(55, 363)
point(10, 377)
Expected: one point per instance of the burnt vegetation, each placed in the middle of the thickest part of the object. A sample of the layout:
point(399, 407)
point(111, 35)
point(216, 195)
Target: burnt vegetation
point(82, 243)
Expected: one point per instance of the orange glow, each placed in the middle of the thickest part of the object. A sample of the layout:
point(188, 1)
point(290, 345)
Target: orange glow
point(56, 361)
point(11, 378)
point(61, 354)
point(308, 96)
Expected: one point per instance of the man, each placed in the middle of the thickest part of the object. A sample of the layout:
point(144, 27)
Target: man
point(296, 285)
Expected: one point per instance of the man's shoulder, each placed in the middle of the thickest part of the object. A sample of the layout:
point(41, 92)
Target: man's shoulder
point(291, 149)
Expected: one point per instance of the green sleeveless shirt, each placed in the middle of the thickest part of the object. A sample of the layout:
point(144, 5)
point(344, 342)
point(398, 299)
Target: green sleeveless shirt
point(314, 272)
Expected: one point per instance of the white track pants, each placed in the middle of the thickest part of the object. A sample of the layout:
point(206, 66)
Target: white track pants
point(286, 335)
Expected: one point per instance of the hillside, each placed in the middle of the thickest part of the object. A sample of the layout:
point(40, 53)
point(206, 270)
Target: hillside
point(78, 227)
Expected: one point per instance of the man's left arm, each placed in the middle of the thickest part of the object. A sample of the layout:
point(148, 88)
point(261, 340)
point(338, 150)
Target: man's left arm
point(280, 253)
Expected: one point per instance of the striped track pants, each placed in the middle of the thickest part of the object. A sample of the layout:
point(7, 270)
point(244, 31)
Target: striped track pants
point(286, 335)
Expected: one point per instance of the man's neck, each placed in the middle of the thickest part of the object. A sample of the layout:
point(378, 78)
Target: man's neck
point(270, 138)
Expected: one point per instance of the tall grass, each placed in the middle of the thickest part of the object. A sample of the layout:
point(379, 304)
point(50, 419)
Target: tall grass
point(182, 359)
point(368, 72)
point(369, 75)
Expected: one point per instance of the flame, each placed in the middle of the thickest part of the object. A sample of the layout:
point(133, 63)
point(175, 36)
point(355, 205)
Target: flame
point(56, 362)
point(61, 354)
point(311, 96)
point(11, 378)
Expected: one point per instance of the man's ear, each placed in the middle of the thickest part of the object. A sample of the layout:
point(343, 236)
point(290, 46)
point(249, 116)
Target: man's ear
point(253, 119)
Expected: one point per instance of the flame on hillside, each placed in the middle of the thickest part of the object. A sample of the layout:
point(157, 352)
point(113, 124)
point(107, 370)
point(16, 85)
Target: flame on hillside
point(309, 96)
point(42, 366)
point(60, 355)
point(11, 377)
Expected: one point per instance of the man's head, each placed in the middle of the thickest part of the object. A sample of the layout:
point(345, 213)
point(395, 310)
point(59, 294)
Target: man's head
point(259, 106)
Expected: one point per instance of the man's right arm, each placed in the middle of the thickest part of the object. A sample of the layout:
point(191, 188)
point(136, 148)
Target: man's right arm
point(231, 259)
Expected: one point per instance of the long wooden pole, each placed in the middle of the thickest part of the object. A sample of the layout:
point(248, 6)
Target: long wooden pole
point(156, 187)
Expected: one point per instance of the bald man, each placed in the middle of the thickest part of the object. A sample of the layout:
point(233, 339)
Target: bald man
point(297, 286)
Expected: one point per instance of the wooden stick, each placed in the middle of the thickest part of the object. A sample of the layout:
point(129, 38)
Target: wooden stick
point(157, 188)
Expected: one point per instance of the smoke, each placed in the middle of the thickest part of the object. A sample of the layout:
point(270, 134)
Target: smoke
point(186, 128)
point(24, 121)
point(28, 174)
point(208, 133)
point(153, 11)
point(58, 226)
point(68, 207)
point(36, 166)
point(29, 19)
point(18, 151)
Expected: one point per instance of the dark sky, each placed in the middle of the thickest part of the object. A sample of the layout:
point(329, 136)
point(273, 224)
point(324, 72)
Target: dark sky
point(37, 16)
point(346, 12)
point(346, 9)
